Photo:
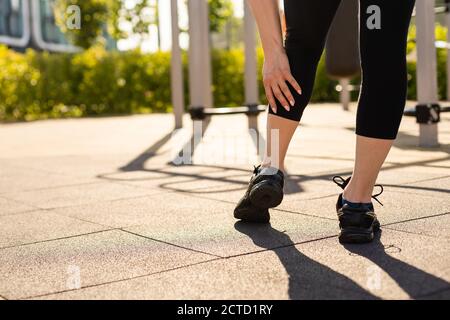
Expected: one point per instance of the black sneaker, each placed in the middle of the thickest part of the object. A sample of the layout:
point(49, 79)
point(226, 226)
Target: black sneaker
point(265, 191)
point(357, 224)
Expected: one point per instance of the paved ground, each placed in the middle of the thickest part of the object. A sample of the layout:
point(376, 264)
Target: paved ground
point(91, 209)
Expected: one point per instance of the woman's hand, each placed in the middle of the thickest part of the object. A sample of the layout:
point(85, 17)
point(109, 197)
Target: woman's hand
point(276, 71)
point(276, 75)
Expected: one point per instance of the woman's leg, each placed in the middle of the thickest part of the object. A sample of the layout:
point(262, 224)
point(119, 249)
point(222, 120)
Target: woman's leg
point(307, 27)
point(383, 36)
point(370, 156)
point(307, 24)
point(279, 135)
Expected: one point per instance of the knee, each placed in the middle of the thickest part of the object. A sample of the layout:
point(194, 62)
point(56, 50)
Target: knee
point(295, 113)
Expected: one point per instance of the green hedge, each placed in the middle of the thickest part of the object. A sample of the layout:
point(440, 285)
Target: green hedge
point(440, 34)
point(95, 82)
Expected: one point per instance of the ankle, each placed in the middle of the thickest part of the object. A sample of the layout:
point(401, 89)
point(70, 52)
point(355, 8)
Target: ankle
point(268, 164)
point(356, 196)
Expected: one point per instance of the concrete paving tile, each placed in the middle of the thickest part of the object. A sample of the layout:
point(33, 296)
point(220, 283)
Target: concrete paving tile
point(320, 114)
point(84, 261)
point(296, 188)
point(214, 183)
point(403, 175)
point(267, 275)
point(317, 166)
point(40, 225)
point(192, 180)
point(8, 206)
point(75, 166)
point(205, 186)
point(223, 192)
point(309, 188)
point(416, 156)
point(141, 179)
point(39, 168)
point(438, 226)
point(223, 236)
point(440, 295)
point(300, 186)
point(439, 187)
point(226, 147)
point(398, 206)
point(89, 136)
point(444, 164)
point(170, 178)
point(397, 267)
point(144, 210)
point(321, 142)
point(18, 179)
point(78, 194)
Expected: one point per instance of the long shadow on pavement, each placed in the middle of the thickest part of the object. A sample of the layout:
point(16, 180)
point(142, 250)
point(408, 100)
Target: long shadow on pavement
point(415, 282)
point(308, 279)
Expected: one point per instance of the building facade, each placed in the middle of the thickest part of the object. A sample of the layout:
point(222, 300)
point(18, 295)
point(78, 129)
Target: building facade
point(31, 24)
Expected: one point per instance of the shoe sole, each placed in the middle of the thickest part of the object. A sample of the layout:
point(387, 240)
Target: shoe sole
point(265, 195)
point(358, 235)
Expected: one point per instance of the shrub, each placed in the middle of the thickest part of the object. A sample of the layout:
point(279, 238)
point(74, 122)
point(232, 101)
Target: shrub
point(37, 85)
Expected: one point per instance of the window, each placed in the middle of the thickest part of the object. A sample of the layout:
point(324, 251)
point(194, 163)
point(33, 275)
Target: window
point(50, 31)
point(11, 18)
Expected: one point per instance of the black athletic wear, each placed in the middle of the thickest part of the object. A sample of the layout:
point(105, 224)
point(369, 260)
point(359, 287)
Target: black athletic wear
point(383, 59)
point(264, 191)
point(357, 222)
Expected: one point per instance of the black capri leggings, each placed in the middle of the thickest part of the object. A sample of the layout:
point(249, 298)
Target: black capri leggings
point(383, 59)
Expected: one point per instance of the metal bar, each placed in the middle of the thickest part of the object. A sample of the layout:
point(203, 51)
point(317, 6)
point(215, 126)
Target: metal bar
point(235, 110)
point(447, 18)
point(176, 69)
point(344, 94)
point(426, 67)
point(200, 75)
point(251, 73)
point(251, 65)
point(199, 54)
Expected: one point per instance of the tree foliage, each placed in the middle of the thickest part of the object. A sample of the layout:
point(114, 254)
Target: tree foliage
point(93, 15)
point(98, 16)
point(219, 12)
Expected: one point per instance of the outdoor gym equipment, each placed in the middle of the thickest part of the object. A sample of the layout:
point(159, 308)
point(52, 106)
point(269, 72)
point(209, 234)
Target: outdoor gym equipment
point(342, 49)
point(428, 110)
point(200, 74)
point(343, 60)
point(340, 65)
point(427, 92)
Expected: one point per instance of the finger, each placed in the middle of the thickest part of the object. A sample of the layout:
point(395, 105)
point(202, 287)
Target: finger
point(294, 83)
point(286, 91)
point(280, 97)
point(270, 98)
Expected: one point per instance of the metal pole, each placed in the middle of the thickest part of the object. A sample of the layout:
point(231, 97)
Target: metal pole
point(176, 69)
point(426, 67)
point(206, 40)
point(251, 65)
point(447, 17)
point(199, 55)
point(158, 27)
point(345, 93)
point(200, 76)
